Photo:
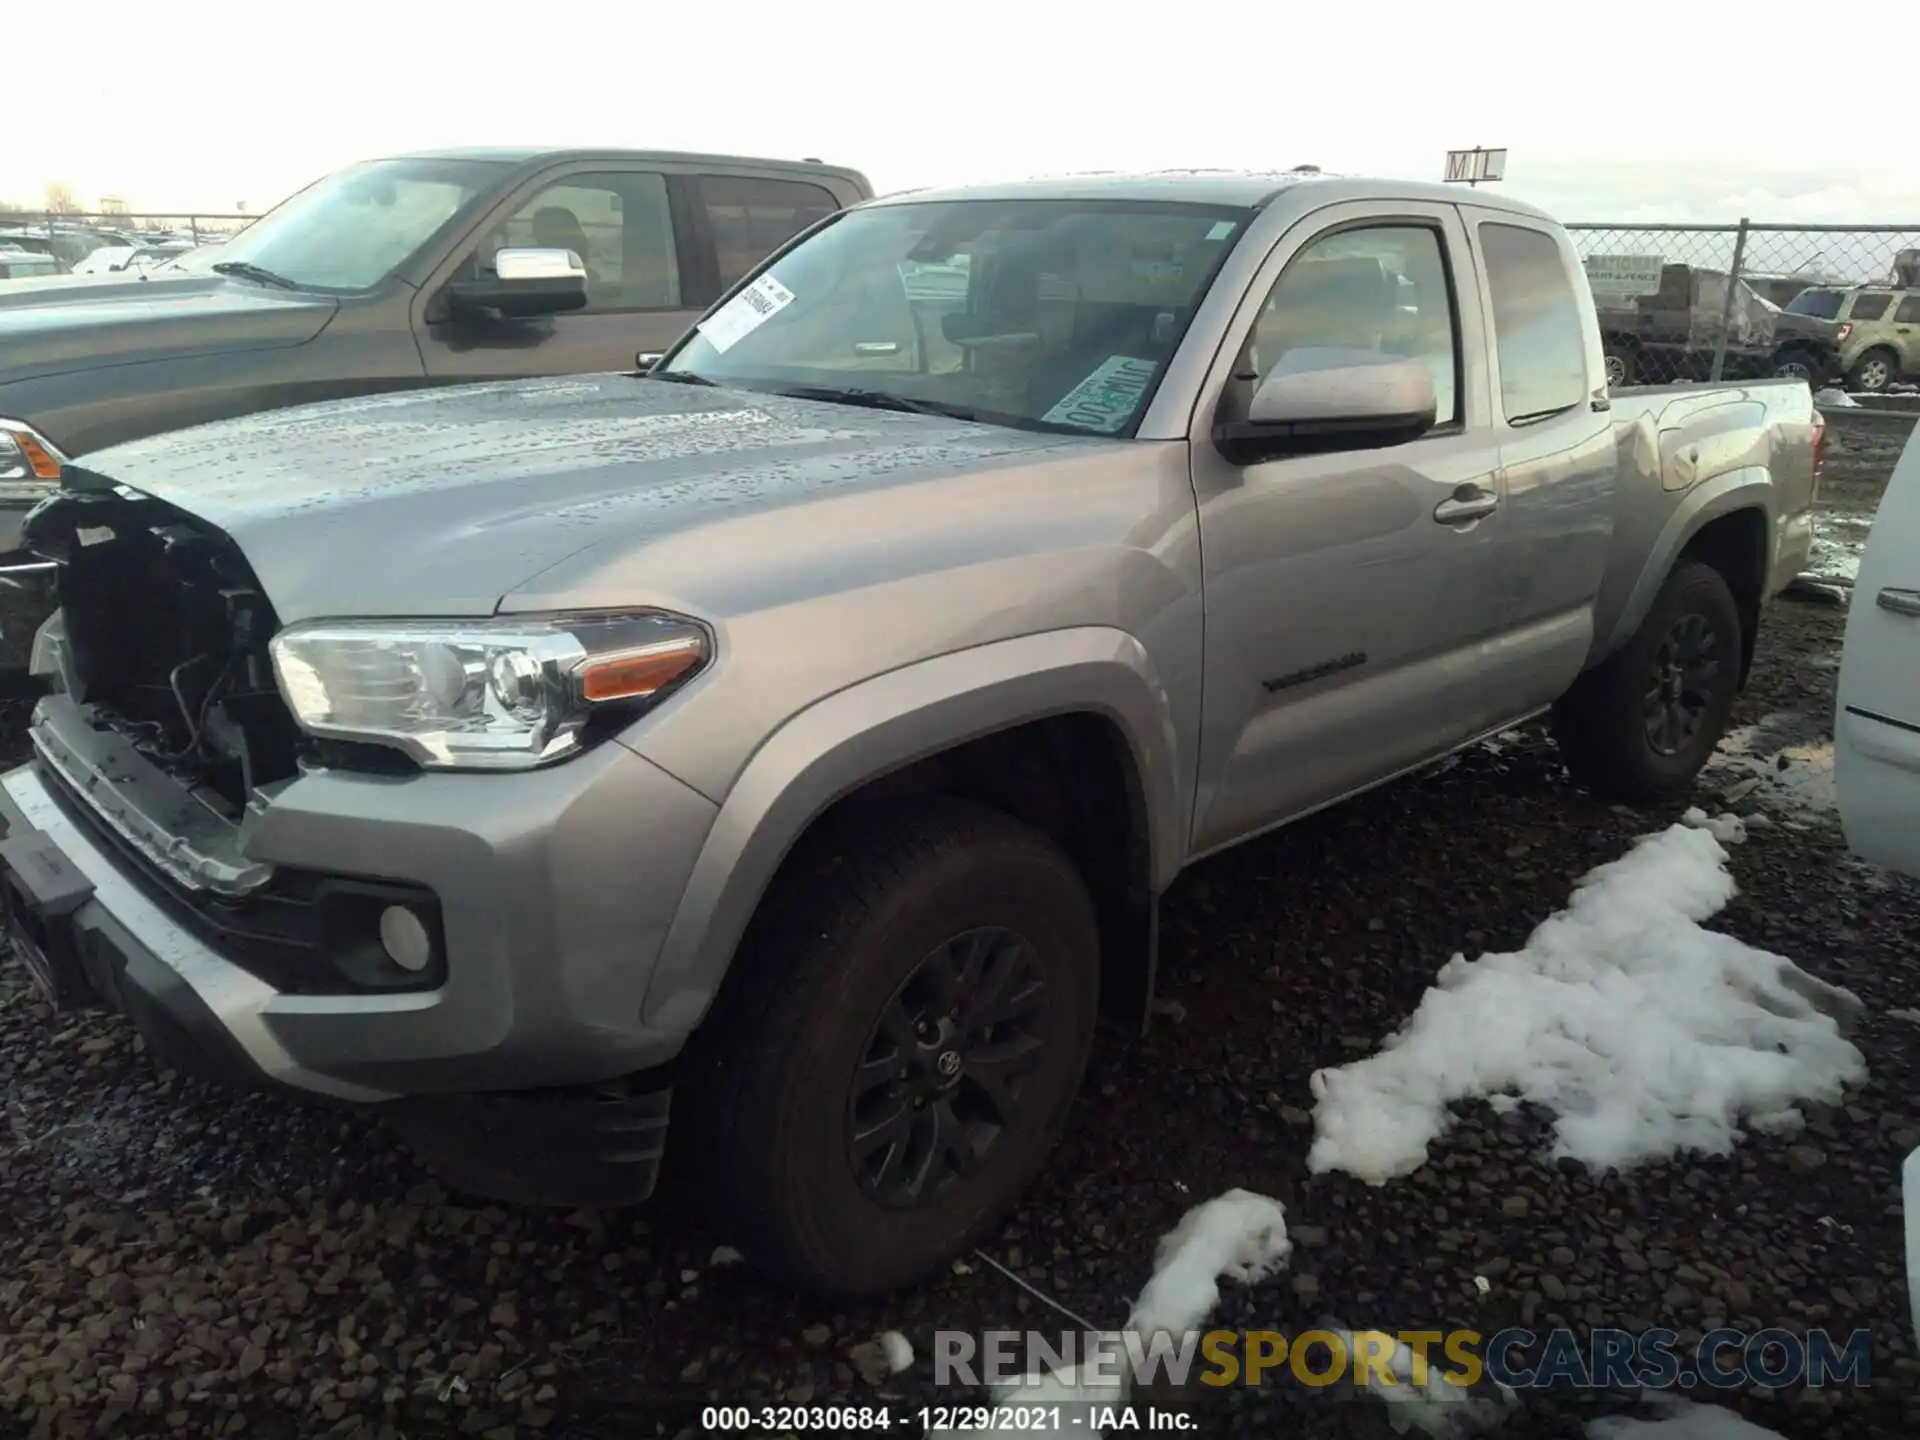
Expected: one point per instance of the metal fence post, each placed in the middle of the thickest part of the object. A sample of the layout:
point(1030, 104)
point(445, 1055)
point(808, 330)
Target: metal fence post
point(1726, 305)
point(193, 224)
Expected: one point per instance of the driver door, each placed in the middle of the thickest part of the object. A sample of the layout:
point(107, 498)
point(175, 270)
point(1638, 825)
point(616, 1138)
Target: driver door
point(1353, 609)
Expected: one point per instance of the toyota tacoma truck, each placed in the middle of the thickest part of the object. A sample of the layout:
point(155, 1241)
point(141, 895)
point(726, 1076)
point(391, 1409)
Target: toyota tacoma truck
point(764, 769)
point(395, 274)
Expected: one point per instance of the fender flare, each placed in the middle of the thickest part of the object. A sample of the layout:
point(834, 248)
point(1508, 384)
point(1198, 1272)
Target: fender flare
point(1746, 488)
point(880, 725)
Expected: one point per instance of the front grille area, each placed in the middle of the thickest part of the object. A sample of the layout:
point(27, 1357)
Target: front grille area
point(164, 649)
point(165, 635)
point(290, 933)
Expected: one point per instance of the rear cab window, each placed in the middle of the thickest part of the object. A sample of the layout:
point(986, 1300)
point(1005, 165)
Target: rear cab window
point(749, 218)
point(1539, 339)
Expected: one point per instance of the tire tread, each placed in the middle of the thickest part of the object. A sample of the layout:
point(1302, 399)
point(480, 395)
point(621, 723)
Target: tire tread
point(830, 887)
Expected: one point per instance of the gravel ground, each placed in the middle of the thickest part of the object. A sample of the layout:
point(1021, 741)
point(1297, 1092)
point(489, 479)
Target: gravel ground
point(179, 1260)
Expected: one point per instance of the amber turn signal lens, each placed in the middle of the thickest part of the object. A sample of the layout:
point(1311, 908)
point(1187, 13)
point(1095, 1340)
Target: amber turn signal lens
point(634, 674)
point(39, 459)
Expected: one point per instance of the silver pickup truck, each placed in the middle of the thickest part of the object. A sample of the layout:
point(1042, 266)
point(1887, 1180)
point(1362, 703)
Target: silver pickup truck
point(802, 733)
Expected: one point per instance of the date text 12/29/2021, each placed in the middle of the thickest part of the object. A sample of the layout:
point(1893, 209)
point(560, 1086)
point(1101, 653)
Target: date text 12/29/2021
point(938, 1419)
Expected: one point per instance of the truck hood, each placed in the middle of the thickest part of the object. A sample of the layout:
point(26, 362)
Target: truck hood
point(70, 322)
point(443, 502)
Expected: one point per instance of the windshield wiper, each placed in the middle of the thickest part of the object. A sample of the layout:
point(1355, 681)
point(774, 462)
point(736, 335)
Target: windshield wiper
point(679, 377)
point(247, 270)
point(876, 400)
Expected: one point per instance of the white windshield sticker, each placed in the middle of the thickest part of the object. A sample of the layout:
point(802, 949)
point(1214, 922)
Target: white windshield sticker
point(1105, 399)
point(1221, 230)
point(745, 313)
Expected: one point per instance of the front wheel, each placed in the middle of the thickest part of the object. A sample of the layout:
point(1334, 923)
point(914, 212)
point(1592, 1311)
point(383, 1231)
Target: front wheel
point(1640, 726)
point(896, 1054)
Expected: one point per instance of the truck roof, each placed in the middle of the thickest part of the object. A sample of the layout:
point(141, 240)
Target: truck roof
point(1249, 189)
point(530, 154)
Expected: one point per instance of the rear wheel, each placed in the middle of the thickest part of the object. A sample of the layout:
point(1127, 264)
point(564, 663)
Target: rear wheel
point(896, 1053)
point(1800, 364)
point(1621, 367)
point(1874, 371)
point(1640, 726)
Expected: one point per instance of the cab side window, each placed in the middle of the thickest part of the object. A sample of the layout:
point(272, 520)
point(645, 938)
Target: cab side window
point(750, 218)
point(1537, 333)
point(1869, 307)
point(621, 227)
point(1384, 289)
point(1909, 312)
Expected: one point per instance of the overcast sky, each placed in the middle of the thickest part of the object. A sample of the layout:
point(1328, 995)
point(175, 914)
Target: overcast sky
point(207, 104)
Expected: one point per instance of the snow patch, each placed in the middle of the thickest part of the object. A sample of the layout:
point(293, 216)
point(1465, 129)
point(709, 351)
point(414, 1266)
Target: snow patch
point(1646, 1034)
point(898, 1350)
point(1417, 1394)
point(1681, 1420)
point(1727, 829)
point(1240, 1235)
point(882, 1357)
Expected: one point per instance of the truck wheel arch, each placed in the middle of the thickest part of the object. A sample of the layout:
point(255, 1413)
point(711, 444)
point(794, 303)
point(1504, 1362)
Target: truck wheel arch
point(887, 726)
point(1725, 523)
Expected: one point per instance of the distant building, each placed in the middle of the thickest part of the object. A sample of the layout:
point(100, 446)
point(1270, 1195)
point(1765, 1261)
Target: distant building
point(112, 205)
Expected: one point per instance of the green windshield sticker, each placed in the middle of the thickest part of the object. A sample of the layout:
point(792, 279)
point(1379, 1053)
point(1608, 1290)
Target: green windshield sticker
point(1221, 230)
point(1107, 398)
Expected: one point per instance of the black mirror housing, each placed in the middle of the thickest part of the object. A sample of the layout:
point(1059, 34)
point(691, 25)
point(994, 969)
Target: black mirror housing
point(517, 299)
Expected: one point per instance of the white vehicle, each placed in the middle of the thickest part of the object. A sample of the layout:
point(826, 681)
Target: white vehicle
point(130, 259)
point(1876, 729)
point(1876, 726)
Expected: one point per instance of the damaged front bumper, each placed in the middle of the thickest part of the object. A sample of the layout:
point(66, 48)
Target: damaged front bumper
point(17, 498)
point(89, 933)
point(525, 1070)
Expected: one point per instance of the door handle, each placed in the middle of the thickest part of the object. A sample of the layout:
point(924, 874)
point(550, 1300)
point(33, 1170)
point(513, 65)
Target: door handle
point(1465, 505)
point(1900, 602)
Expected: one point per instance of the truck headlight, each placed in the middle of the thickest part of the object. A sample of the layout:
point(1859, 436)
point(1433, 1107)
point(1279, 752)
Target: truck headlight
point(26, 454)
point(500, 694)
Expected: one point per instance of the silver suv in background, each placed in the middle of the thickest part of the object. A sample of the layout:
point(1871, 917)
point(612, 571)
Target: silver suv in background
point(772, 763)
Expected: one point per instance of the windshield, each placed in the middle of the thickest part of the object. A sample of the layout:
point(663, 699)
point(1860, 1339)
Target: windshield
point(194, 261)
point(351, 230)
point(1819, 304)
point(1041, 314)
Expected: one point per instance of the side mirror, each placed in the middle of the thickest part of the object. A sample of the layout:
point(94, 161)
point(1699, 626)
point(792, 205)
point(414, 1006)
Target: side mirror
point(526, 282)
point(1332, 400)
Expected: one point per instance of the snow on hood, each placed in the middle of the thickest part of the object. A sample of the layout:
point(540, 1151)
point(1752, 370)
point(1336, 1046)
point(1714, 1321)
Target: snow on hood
point(443, 502)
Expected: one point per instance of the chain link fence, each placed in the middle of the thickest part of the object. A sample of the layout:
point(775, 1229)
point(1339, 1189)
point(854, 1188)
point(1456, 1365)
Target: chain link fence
point(1831, 304)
